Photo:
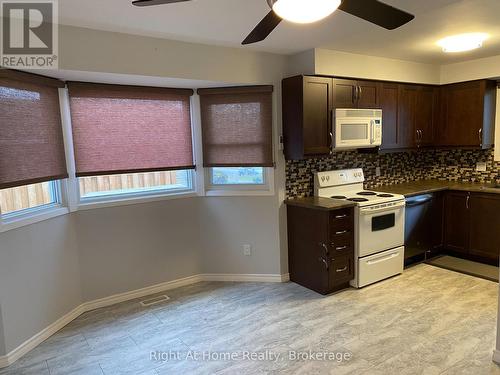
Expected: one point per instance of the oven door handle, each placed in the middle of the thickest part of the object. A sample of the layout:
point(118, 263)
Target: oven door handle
point(369, 211)
point(383, 258)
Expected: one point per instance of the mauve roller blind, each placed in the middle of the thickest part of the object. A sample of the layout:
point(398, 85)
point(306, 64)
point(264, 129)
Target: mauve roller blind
point(237, 126)
point(31, 139)
point(130, 129)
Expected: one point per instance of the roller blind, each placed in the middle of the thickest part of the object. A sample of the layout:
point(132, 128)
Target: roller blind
point(130, 129)
point(31, 139)
point(237, 126)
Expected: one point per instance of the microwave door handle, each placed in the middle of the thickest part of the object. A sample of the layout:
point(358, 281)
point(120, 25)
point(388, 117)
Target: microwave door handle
point(372, 132)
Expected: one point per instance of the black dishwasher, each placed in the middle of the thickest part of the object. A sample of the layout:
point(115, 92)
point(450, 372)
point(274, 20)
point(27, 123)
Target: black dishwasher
point(423, 227)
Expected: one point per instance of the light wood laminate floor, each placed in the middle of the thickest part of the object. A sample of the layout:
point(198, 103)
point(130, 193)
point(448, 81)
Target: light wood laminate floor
point(427, 321)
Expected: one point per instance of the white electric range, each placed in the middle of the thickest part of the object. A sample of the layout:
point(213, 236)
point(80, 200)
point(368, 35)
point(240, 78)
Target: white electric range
point(379, 224)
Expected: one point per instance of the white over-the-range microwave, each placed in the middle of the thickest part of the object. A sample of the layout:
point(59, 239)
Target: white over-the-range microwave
point(357, 128)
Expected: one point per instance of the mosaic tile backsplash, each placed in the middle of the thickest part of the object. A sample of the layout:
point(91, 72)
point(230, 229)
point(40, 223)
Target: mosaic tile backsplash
point(452, 165)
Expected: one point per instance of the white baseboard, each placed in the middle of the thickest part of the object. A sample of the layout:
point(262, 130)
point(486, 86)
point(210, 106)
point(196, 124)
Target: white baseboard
point(43, 335)
point(127, 296)
point(496, 356)
point(40, 337)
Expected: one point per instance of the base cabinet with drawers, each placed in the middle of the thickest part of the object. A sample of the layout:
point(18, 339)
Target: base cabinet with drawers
point(321, 248)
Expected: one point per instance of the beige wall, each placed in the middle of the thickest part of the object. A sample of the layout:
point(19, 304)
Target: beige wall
point(471, 70)
point(101, 51)
point(346, 64)
point(39, 277)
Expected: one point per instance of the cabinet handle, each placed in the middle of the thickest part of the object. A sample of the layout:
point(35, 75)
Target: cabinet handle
point(340, 248)
point(354, 94)
point(341, 216)
point(467, 201)
point(323, 245)
point(342, 232)
point(480, 133)
point(331, 143)
point(325, 262)
point(341, 269)
point(360, 92)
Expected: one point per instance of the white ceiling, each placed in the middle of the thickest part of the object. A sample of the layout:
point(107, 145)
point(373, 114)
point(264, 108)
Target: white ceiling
point(227, 22)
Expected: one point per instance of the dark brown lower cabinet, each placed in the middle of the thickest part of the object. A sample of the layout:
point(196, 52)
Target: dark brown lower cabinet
point(484, 226)
point(456, 221)
point(321, 248)
point(472, 225)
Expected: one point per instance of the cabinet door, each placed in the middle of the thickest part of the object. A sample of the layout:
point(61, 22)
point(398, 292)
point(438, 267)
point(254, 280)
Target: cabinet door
point(407, 107)
point(388, 102)
point(368, 94)
point(456, 221)
point(484, 236)
point(308, 253)
point(462, 117)
point(344, 93)
point(317, 104)
point(425, 112)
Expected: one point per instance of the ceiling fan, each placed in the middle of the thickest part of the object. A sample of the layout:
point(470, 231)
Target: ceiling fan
point(308, 11)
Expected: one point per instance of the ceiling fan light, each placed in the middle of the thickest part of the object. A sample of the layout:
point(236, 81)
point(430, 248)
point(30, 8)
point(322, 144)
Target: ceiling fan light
point(304, 11)
point(462, 42)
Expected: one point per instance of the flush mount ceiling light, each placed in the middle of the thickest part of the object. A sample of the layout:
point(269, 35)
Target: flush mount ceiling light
point(463, 42)
point(304, 11)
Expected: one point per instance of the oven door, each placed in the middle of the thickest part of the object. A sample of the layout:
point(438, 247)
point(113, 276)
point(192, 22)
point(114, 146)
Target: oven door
point(353, 132)
point(380, 228)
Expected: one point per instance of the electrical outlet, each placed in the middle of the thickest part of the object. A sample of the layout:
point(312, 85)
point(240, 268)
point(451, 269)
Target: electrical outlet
point(481, 166)
point(247, 250)
point(378, 173)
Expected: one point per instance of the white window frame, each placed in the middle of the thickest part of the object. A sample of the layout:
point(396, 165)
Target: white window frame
point(265, 189)
point(77, 202)
point(28, 216)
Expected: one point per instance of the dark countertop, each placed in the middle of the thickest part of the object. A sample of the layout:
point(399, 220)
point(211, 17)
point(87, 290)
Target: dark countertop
point(317, 203)
point(409, 189)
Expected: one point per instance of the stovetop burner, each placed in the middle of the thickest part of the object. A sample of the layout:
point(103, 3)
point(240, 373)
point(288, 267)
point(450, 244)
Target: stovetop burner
point(367, 193)
point(385, 195)
point(358, 199)
point(338, 197)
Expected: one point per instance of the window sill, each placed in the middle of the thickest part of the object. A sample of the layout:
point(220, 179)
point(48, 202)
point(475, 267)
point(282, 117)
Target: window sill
point(238, 193)
point(29, 219)
point(126, 201)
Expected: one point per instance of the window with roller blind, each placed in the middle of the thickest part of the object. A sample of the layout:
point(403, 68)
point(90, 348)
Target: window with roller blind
point(237, 137)
point(32, 158)
point(131, 141)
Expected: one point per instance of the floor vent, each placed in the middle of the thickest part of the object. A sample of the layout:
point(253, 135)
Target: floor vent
point(154, 301)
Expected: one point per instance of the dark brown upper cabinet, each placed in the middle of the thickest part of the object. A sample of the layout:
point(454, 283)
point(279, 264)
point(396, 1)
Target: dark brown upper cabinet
point(355, 93)
point(408, 115)
point(307, 116)
point(427, 115)
point(467, 116)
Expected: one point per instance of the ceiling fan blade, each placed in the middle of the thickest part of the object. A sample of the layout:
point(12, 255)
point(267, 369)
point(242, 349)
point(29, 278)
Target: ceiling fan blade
point(146, 3)
point(263, 29)
point(377, 12)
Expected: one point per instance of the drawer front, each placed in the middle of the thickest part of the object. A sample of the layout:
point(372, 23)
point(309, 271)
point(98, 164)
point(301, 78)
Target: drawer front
point(380, 266)
point(341, 220)
point(341, 269)
point(342, 243)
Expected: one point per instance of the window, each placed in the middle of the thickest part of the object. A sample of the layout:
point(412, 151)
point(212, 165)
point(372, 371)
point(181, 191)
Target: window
point(236, 124)
point(135, 184)
point(131, 141)
point(28, 198)
point(220, 176)
point(32, 156)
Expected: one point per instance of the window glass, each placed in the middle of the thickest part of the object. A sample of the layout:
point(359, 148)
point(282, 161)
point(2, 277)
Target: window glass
point(135, 183)
point(238, 176)
point(28, 197)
